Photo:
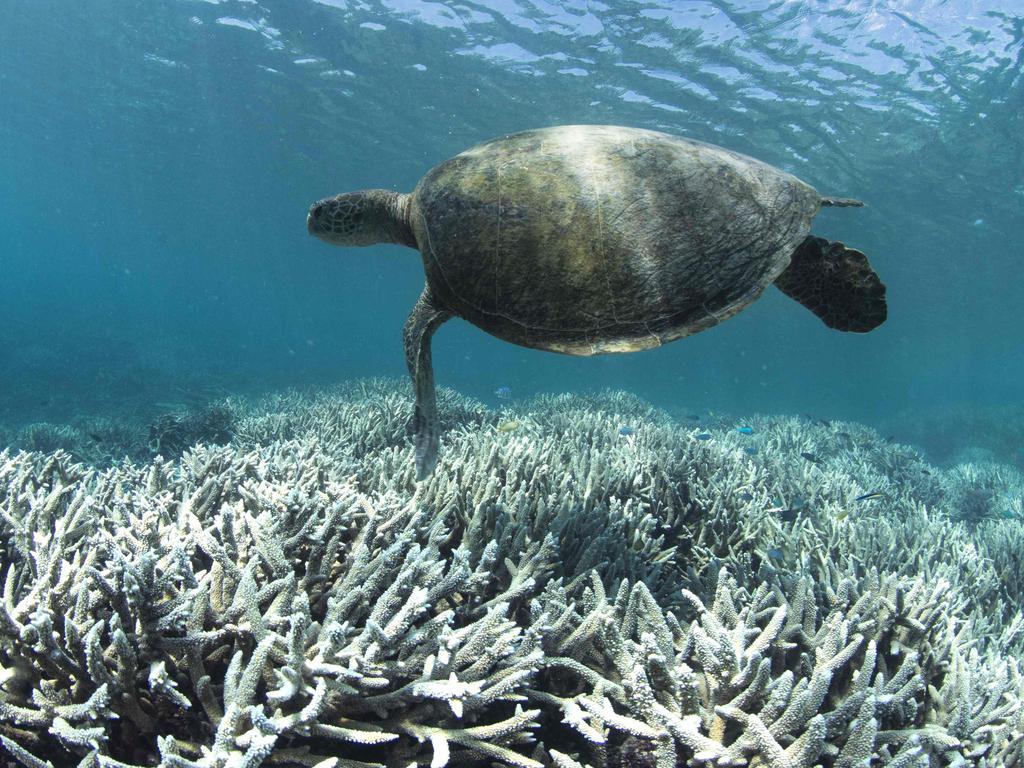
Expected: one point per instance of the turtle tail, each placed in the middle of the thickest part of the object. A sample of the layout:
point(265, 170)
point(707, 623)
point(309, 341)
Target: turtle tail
point(836, 283)
point(841, 202)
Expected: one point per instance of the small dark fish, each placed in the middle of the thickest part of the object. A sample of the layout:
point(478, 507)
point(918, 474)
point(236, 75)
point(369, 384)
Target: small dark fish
point(747, 496)
point(926, 472)
point(790, 513)
point(811, 457)
point(870, 496)
point(96, 437)
point(694, 417)
point(704, 436)
point(503, 393)
point(627, 431)
point(750, 450)
point(745, 430)
point(1008, 515)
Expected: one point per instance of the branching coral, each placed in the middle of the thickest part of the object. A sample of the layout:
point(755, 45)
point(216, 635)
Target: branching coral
point(979, 492)
point(172, 433)
point(758, 678)
point(562, 594)
point(252, 604)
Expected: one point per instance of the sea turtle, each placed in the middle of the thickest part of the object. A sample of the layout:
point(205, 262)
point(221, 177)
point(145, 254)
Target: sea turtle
point(584, 239)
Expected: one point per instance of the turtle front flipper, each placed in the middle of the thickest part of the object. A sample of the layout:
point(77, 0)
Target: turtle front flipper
point(423, 321)
point(836, 283)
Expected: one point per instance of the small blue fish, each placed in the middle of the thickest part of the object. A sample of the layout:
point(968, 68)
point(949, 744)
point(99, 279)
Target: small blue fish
point(870, 496)
point(750, 450)
point(1008, 515)
point(747, 496)
point(503, 393)
point(745, 430)
point(626, 431)
point(704, 436)
point(775, 553)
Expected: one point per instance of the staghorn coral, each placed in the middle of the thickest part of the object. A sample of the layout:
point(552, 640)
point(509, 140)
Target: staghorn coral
point(761, 678)
point(214, 618)
point(557, 595)
point(989, 491)
point(45, 437)
point(945, 431)
point(94, 440)
point(171, 433)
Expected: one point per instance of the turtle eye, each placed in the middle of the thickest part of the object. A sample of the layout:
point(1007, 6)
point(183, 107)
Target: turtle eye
point(317, 210)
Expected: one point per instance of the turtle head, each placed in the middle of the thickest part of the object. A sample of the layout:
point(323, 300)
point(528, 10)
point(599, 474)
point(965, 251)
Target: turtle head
point(362, 218)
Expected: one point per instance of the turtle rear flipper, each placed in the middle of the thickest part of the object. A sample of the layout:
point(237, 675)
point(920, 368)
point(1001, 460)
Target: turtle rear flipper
point(836, 283)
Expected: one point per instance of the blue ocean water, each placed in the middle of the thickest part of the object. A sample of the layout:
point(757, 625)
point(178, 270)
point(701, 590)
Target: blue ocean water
point(157, 160)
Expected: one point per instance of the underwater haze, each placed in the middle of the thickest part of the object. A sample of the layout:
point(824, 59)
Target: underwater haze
point(768, 545)
point(157, 160)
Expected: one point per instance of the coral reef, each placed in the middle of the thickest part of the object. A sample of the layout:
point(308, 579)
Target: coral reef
point(564, 593)
point(989, 491)
point(172, 433)
point(94, 440)
point(103, 442)
point(966, 432)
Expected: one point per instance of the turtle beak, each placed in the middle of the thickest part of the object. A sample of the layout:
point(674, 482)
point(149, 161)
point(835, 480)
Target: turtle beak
point(313, 218)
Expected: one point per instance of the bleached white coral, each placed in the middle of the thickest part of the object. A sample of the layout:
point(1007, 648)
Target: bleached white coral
point(561, 594)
